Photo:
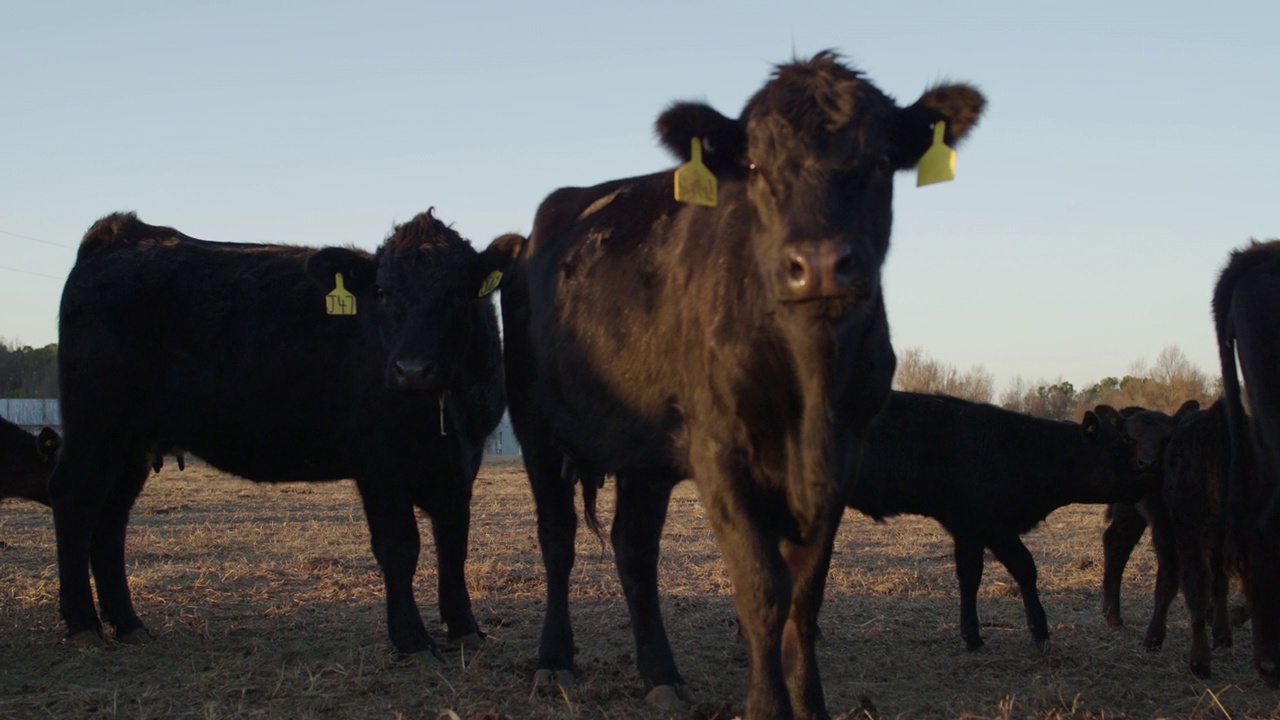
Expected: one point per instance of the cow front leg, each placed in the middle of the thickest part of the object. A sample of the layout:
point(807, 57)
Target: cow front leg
point(106, 554)
point(969, 557)
point(636, 534)
point(1123, 532)
point(393, 532)
point(1167, 573)
point(77, 488)
point(808, 564)
point(1017, 559)
point(451, 530)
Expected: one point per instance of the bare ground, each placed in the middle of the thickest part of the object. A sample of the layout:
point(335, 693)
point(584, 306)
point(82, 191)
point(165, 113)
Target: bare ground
point(266, 603)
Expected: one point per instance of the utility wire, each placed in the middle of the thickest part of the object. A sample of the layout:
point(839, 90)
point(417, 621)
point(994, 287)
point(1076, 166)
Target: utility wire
point(28, 237)
point(29, 272)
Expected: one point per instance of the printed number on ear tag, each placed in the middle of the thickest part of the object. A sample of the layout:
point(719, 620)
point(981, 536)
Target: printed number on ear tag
point(490, 283)
point(694, 182)
point(939, 162)
point(340, 301)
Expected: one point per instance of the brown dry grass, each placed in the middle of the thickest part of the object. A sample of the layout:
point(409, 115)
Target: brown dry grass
point(266, 602)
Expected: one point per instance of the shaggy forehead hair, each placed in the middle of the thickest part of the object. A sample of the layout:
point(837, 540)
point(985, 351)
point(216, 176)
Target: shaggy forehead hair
point(426, 239)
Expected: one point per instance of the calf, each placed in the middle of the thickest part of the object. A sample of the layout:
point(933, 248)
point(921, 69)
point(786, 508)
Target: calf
point(743, 345)
point(226, 350)
point(989, 475)
point(1248, 328)
point(1150, 431)
point(26, 461)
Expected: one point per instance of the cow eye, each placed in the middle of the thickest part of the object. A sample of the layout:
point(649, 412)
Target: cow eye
point(379, 293)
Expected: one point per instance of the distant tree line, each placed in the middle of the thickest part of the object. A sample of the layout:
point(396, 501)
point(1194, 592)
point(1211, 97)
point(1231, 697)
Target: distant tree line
point(27, 372)
point(1171, 381)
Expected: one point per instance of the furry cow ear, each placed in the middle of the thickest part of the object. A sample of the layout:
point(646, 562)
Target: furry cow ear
point(48, 442)
point(1187, 408)
point(958, 104)
point(1108, 413)
point(359, 273)
point(724, 141)
point(1089, 425)
point(493, 266)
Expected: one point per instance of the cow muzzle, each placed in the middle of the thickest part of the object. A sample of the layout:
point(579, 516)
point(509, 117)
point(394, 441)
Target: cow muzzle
point(412, 374)
point(814, 271)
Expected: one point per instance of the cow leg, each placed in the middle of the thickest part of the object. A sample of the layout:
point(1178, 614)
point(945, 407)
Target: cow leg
point(1167, 572)
point(1263, 591)
point(1195, 586)
point(1118, 541)
point(553, 497)
point(393, 532)
point(106, 551)
point(636, 534)
point(969, 557)
point(1220, 591)
point(451, 530)
point(1021, 565)
point(808, 564)
point(77, 488)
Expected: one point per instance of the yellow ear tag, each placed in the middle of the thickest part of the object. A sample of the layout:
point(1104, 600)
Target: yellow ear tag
point(490, 283)
point(340, 301)
point(939, 161)
point(694, 182)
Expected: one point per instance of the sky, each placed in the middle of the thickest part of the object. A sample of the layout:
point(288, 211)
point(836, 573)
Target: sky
point(1126, 149)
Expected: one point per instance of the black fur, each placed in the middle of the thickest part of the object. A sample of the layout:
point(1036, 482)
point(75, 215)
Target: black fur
point(26, 462)
point(225, 350)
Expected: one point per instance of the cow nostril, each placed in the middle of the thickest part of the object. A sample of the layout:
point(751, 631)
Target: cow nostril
point(845, 267)
point(798, 270)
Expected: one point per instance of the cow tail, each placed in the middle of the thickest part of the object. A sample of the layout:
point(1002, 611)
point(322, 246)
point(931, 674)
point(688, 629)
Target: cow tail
point(590, 489)
point(1235, 497)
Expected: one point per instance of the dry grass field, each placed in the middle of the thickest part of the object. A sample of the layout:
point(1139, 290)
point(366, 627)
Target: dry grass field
point(266, 603)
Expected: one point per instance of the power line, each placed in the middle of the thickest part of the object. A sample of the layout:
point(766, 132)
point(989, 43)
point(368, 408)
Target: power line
point(29, 272)
point(28, 237)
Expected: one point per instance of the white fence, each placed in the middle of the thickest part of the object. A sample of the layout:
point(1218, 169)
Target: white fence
point(35, 413)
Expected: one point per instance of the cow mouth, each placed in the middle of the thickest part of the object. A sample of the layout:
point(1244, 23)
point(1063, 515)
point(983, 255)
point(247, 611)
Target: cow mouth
point(828, 307)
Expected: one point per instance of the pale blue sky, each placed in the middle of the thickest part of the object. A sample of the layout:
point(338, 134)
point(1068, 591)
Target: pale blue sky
point(1127, 147)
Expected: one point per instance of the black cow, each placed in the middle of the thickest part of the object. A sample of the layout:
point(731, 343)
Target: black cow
point(1248, 327)
point(226, 350)
point(26, 461)
point(989, 475)
point(1150, 431)
point(743, 345)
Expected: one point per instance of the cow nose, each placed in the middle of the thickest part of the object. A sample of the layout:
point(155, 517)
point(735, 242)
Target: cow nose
point(411, 373)
point(819, 270)
point(1145, 463)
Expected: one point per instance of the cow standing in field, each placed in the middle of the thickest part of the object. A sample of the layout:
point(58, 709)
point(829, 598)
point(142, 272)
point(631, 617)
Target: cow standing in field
point(743, 345)
point(989, 475)
point(1150, 431)
point(1245, 304)
point(26, 462)
point(229, 351)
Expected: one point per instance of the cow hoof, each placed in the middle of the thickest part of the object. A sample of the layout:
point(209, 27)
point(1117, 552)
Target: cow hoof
point(1270, 673)
point(429, 658)
point(1042, 644)
point(87, 639)
point(1153, 644)
point(975, 646)
point(136, 637)
point(471, 641)
point(548, 681)
point(675, 699)
point(1222, 641)
point(1201, 670)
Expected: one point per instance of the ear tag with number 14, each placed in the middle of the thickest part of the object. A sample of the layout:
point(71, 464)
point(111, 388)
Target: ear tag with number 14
point(939, 162)
point(340, 301)
point(694, 182)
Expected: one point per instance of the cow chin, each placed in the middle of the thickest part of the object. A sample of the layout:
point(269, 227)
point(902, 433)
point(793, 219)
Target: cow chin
point(829, 307)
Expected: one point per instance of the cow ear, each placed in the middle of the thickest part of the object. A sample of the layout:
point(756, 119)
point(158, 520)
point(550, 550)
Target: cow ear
point(1187, 408)
point(359, 273)
point(724, 140)
point(493, 266)
point(48, 442)
point(1109, 414)
point(1090, 424)
point(958, 104)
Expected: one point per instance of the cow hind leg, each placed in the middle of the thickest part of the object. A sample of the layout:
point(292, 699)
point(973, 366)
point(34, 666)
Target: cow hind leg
point(1021, 565)
point(106, 553)
point(77, 487)
point(1263, 591)
point(636, 534)
point(393, 532)
point(969, 557)
point(553, 496)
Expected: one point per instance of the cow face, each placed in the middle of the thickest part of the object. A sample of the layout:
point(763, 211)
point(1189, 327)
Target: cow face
point(817, 148)
point(426, 286)
point(28, 463)
point(1148, 432)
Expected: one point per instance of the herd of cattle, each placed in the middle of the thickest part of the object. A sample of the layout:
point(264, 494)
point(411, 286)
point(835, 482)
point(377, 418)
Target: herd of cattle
point(743, 345)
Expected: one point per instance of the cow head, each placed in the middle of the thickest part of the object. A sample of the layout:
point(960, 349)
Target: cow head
point(817, 148)
point(29, 462)
point(1148, 432)
point(429, 289)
